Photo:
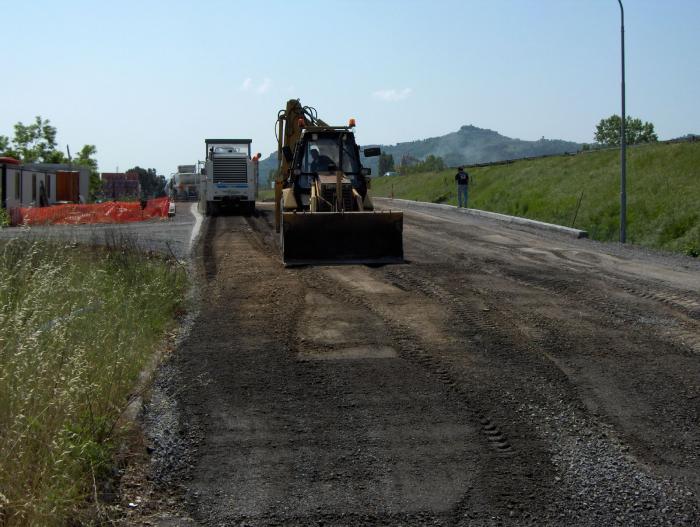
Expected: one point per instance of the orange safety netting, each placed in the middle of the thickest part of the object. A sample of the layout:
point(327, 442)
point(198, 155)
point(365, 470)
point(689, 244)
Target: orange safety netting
point(111, 212)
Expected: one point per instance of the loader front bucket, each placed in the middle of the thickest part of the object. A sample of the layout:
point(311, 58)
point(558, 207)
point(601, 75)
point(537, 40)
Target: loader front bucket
point(342, 237)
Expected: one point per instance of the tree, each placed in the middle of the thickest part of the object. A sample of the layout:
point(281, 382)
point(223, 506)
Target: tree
point(432, 164)
point(152, 185)
point(36, 142)
point(407, 161)
point(607, 131)
point(272, 177)
point(429, 164)
point(4, 146)
point(386, 164)
point(85, 159)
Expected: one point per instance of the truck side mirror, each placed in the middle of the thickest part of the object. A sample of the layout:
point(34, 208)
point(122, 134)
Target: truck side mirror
point(373, 152)
point(287, 153)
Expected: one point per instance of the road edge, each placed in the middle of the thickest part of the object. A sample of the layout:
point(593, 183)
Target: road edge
point(575, 233)
point(196, 228)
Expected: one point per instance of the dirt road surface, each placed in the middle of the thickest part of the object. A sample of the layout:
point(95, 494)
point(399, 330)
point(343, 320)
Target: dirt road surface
point(498, 377)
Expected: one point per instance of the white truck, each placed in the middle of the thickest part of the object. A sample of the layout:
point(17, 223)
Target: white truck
point(184, 184)
point(230, 177)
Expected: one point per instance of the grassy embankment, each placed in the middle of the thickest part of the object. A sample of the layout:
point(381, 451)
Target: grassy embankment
point(266, 194)
point(663, 193)
point(77, 326)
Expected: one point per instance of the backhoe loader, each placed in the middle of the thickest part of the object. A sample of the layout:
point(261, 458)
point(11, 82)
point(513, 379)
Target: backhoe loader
point(323, 210)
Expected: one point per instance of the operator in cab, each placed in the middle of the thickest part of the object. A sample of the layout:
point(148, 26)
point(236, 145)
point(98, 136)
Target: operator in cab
point(319, 163)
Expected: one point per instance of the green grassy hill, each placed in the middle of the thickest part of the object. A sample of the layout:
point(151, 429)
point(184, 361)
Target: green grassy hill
point(663, 192)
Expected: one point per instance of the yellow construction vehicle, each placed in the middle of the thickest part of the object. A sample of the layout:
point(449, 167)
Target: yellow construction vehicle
point(323, 210)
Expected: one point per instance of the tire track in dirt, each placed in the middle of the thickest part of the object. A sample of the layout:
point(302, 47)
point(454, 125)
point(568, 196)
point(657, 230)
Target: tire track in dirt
point(564, 313)
point(444, 391)
point(293, 434)
point(516, 481)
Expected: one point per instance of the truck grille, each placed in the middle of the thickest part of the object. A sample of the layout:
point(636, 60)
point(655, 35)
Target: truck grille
point(230, 170)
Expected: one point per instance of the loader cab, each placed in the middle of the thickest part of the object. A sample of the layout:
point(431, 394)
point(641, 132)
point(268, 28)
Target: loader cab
point(327, 150)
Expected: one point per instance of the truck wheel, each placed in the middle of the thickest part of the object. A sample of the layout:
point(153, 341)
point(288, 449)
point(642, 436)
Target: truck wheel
point(212, 209)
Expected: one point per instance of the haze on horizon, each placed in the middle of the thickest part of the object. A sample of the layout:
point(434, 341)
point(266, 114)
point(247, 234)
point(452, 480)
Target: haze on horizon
point(147, 82)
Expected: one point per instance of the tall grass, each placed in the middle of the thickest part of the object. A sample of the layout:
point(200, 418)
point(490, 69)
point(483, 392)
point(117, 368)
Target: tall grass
point(76, 327)
point(663, 187)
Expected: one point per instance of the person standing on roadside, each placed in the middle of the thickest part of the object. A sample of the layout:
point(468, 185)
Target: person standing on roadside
point(462, 179)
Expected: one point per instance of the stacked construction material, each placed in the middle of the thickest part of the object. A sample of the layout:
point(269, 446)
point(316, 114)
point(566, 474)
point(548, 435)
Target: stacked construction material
point(117, 185)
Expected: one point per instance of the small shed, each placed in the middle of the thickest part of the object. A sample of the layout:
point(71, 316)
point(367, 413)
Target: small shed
point(36, 184)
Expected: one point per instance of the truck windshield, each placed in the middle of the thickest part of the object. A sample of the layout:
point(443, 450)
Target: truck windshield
point(231, 149)
point(322, 154)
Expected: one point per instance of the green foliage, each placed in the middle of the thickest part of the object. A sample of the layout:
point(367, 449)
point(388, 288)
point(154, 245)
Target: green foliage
point(4, 218)
point(152, 185)
point(5, 147)
point(77, 326)
point(429, 164)
point(36, 142)
point(691, 250)
point(663, 192)
point(85, 158)
point(386, 164)
point(607, 131)
point(272, 176)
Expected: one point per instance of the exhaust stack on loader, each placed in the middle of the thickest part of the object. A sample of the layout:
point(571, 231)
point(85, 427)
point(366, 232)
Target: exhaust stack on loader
point(323, 210)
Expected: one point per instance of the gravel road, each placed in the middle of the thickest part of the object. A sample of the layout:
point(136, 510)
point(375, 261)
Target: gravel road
point(500, 376)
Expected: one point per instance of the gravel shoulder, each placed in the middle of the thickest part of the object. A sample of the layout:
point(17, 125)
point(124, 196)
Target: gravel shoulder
point(173, 236)
point(499, 376)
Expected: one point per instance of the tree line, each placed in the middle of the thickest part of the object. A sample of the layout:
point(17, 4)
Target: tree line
point(36, 143)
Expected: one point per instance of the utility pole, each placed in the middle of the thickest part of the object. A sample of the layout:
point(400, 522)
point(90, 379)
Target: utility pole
point(623, 137)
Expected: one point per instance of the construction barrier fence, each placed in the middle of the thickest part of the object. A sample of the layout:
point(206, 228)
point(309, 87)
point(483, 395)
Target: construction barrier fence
point(73, 214)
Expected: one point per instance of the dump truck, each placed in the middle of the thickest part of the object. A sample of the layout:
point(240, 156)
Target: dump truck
point(184, 183)
point(323, 209)
point(230, 177)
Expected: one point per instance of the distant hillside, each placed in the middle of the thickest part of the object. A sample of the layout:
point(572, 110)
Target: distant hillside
point(266, 165)
point(663, 192)
point(469, 145)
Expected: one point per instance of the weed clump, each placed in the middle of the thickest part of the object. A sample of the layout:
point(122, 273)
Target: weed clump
point(77, 325)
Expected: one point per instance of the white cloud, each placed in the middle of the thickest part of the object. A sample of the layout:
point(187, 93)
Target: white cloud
point(392, 95)
point(246, 84)
point(265, 86)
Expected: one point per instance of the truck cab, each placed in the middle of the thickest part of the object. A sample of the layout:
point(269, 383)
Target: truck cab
point(230, 178)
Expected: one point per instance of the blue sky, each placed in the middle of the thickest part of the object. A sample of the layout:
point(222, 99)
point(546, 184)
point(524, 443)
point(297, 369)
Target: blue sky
point(147, 81)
